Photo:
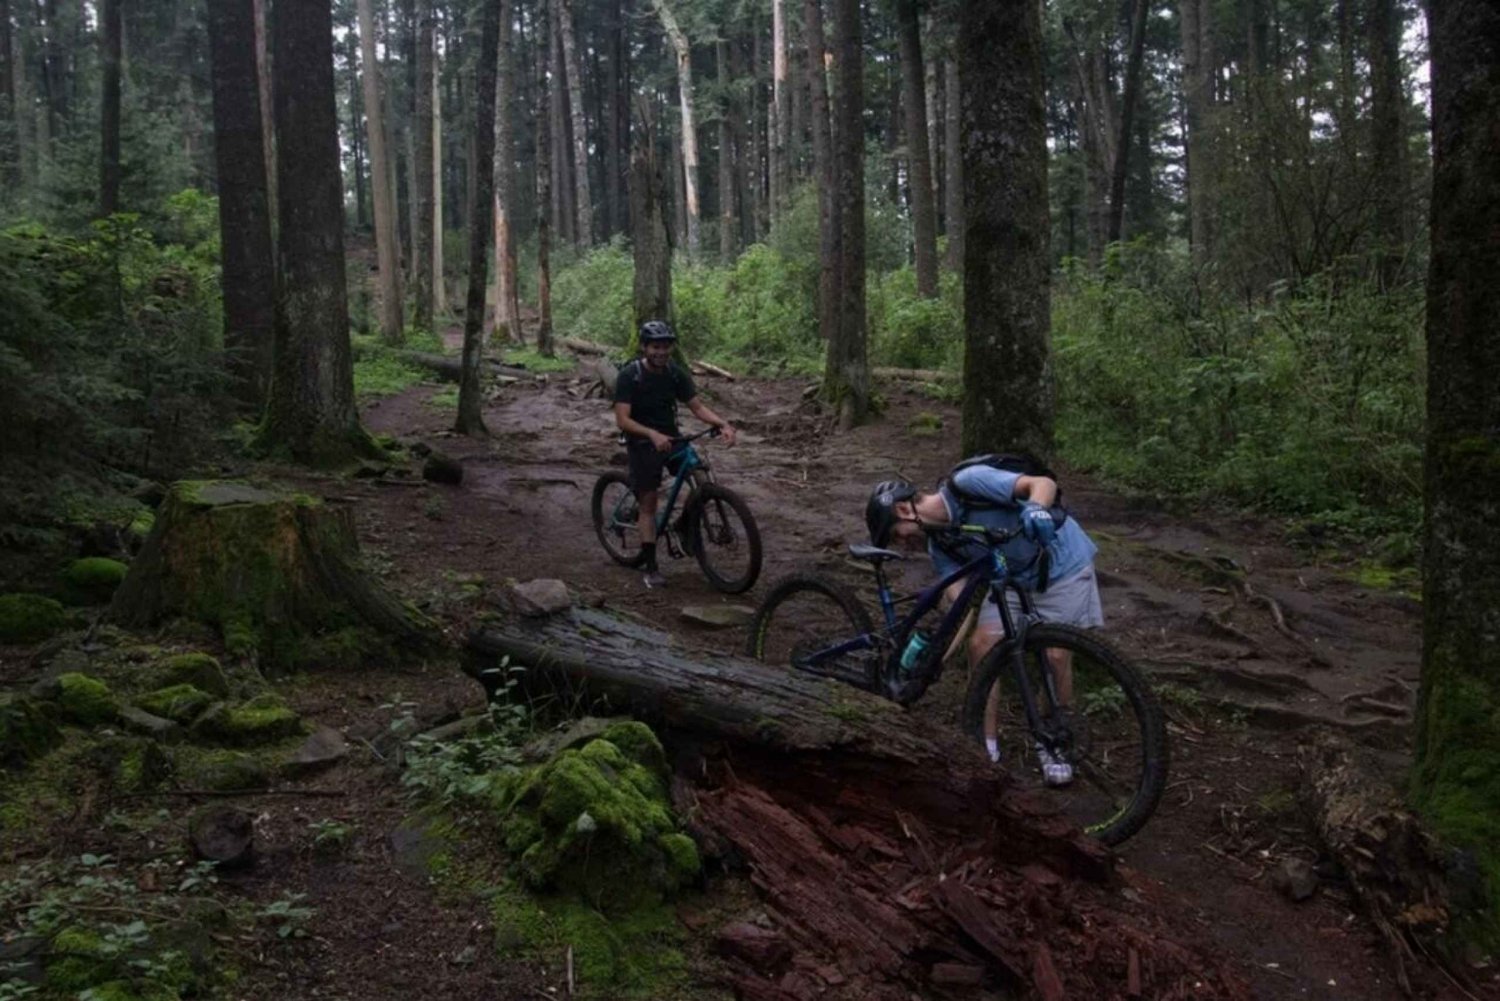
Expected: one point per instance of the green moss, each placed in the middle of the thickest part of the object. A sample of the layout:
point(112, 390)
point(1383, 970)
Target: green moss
point(195, 668)
point(595, 821)
point(78, 960)
point(29, 618)
point(925, 425)
point(181, 703)
point(26, 732)
point(84, 700)
point(631, 955)
point(141, 525)
point(91, 581)
point(352, 646)
point(222, 770)
point(262, 720)
point(135, 764)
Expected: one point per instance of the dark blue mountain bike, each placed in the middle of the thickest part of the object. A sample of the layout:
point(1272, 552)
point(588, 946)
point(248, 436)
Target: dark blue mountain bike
point(716, 525)
point(1044, 686)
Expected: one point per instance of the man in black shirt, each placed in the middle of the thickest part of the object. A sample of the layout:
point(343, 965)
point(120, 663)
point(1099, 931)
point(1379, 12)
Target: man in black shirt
point(647, 392)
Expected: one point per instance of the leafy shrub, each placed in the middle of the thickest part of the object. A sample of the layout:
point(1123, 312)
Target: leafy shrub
point(909, 331)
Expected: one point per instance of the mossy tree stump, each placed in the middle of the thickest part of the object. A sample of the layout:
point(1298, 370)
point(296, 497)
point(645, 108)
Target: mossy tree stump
point(275, 572)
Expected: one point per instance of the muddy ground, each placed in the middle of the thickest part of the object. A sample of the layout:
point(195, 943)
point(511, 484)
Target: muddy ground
point(1250, 640)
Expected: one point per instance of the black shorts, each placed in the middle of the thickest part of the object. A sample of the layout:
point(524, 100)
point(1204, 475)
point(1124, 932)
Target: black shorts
point(646, 465)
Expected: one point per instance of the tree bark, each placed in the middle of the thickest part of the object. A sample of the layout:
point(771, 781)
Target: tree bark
point(584, 236)
point(565, 209)
point(267, 107)
point(889, 856)
point(1198, 97)
point(507, 326)
point(544, 338)
point(652, 251)
point(683, 50)
point(422, 172)
point(12, 134)
point(846, 373)
point(470, 419)
point(310, 413)
point(616, 111)
point(247, 257)
point(780, 112)
point(1457, 742)
point(439, 283)
point(728, 246)
point(356, 130)
point(822, 145)
point(1383, 25)
point(1128, 102)
point(109, 115)
point(1007, 398)
point(382, 181)
point(918, 156)
point(952, 139)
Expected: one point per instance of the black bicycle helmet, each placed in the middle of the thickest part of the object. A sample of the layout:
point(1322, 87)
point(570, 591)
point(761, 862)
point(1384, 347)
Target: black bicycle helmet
point(657, 330)
point(880, 510)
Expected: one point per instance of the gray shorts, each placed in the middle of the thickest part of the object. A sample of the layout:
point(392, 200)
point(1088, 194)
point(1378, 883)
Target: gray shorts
point(1072, 601)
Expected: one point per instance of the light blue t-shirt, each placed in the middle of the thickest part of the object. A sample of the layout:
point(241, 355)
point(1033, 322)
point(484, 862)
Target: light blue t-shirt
point(1071, 552)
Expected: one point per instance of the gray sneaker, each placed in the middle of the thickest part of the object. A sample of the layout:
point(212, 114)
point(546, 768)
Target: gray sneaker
point(654, 579)
point(1055, 769)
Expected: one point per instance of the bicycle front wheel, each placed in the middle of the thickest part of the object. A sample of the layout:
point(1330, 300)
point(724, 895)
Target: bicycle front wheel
point(616, 519)
point(725, 538)
point(1097, 712)
point(804, 614)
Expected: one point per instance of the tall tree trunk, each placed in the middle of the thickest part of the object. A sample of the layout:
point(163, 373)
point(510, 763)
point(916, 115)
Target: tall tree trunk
point(1345, 116)
point(12, 141)
point(846, 374)
point(1197, 98)
point(744, 147)
point(54, 71)
point(422, 172)
point(109, 116)
point(822, 146)
point(565, 214)
point(1128, 102)
point(382, 178)
point(651, 250)
point(780, 112)
point(1007, 400)
point(760, 129)
point(507, 326)
point(617, 112)
point(953, 140)
point(1383, 26)
point(1457, 741)
point(727, 244)
point(439, 285)
point(919, 157)
point(470, 396)
point(573, 67)
point(356, 130)
point(684, 53)
point(310, 413)
point(267, 108)
point(544, 340)
point(249, 267)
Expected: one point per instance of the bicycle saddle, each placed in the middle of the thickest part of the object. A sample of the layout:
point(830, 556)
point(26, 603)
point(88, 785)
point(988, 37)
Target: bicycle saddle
point(874, 554)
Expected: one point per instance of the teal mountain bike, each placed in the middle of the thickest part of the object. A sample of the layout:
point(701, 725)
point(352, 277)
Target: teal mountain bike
point(1044, 687)
point(715, 526)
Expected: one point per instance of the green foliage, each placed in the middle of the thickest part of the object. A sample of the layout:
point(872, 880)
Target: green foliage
point(909, 331)
point(378, 372)
point(1309, 404)
point(534, 361)
point(288, 914)
point(26, 731)
point(593, 299)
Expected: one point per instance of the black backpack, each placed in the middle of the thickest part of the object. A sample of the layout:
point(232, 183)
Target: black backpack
point(1023, 463)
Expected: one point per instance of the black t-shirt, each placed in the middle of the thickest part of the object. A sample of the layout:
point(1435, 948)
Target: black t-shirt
point(653, 396)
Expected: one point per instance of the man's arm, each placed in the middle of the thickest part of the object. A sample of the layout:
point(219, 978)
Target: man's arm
point(704, 413)
point(1037, 489)
point(630, 425)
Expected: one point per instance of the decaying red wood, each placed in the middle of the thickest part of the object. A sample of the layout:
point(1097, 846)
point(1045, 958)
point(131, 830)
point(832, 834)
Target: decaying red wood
point(890, 857)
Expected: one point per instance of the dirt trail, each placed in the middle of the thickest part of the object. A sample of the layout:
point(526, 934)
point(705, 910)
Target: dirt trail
point(1248, 640)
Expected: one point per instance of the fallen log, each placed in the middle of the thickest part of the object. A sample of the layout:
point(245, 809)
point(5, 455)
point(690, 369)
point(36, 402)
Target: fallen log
point(890, 856)
point(582, 347)
point(708, 368)
point(914, 374)
point(451, 368)
point(1394, 865)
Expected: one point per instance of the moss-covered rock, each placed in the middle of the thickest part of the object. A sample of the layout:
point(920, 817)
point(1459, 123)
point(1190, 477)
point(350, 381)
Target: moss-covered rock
point(84, 700)
point(93, 580)
point(29, 618)
point(181, 703)
point(263, 720)
point(26, 731)
point(597, 821)
point(133, 764)
point(222, 770)
point(195, 668)
point(82, 960)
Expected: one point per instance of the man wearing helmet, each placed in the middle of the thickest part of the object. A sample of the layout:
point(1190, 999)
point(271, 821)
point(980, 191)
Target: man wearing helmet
point(897, 511)
point(647, 392)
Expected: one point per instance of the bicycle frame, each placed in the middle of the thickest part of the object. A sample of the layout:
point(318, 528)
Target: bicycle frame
point(690, 461)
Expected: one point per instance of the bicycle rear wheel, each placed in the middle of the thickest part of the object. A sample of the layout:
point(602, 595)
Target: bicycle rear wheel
point(616, 517)
point(803, 614)
point(724, 537)
point(1109, 727)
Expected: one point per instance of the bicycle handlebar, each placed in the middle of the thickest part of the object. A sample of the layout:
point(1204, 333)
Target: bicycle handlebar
point(966, 533)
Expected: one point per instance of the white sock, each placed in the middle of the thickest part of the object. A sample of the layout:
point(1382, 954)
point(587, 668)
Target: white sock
point(992, 745)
